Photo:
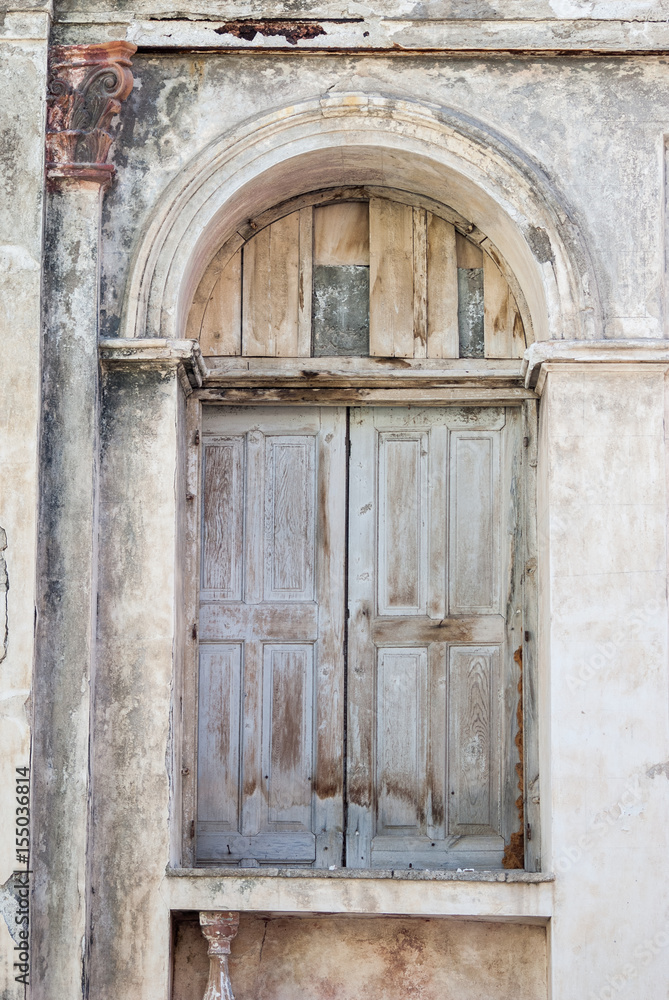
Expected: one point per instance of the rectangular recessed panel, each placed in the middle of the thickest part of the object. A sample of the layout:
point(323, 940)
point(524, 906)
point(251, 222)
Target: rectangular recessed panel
point(401, 722)
point(470, 312)
point(289, 518)
point(402, 523)
point(288, 733)
point(340, 310)
point(219, 735)
point(473, 750)
point(223, 520)
point(474, 527)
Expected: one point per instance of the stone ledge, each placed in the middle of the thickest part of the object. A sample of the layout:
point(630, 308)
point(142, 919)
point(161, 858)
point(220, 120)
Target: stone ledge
point(184, 355)
point(521, 897)
point(598, 352)
point(411, 875)
point(369, 33)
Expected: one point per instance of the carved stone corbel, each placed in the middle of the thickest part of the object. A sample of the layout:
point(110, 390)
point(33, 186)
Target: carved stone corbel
point(86, 86)
point(219, 928)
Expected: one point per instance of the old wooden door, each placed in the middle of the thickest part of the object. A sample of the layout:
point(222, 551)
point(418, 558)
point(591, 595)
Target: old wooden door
point(434, 618)
point(434, 621)
point(271, 719)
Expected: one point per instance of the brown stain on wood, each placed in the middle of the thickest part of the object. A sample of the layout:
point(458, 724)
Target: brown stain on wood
point(514, 852)
point(292, 31)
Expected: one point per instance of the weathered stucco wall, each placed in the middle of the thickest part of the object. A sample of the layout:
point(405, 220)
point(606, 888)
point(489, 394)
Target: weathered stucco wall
point(23, 54)
point(593, 127)
point(340, 958)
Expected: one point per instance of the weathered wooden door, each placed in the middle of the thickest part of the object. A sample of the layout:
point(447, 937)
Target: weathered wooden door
point(434, 621)
point(271, 680)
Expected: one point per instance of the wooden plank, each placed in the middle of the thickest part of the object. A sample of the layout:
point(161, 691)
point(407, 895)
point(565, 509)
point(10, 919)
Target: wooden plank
point(270, 301)
point(328, 786)
point(276, 622)
point(419, 283)
point(437, 504)
point(436, 777)
point(468, 254)
point(363, 371)
point(473, 747)
point(361, 650)
point(442, 290)
point(531, 707)
point(474, 629)
point(503, 328)
point(341, 233)
point(313, 396)
point(221, 332)
point(305, 284)
point(391, 279)
point(222, 848)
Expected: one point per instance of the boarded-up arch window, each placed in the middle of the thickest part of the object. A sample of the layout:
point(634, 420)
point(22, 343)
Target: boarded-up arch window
point(359, 276)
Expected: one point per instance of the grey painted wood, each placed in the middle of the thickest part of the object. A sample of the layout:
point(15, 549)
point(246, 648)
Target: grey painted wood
point(273, 645)
point(427, 726)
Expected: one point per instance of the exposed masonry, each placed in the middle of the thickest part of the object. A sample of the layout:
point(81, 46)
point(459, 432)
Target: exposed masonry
point(292, 31)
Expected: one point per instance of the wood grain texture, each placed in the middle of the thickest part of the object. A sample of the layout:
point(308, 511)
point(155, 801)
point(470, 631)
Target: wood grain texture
point(270, 302)
point(285, 618)
point(473, 748)
point(341, 233)
point(442, 289)
point(221, 331)
point(503, 328)
point(419, 283)
point(391, 311)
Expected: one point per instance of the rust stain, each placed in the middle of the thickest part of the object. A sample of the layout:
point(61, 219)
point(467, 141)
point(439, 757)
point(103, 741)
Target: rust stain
point(514, 853)
point(292, 31)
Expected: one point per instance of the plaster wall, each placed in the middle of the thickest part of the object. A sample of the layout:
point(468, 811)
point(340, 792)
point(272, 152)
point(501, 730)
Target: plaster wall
point(23, 54)
point(603, 516)
point(592, 127)
point(339, 958)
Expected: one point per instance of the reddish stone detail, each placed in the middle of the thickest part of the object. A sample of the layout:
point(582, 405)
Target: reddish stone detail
point(219, 928)
point(86, 86)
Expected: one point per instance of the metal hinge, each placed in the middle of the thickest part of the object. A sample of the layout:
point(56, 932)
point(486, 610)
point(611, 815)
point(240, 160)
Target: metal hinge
point(528, 832)
point(196, 437)
point(192, 829)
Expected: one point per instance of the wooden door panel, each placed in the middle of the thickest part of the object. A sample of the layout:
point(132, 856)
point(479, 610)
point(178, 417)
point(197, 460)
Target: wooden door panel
point(223, 520)
point(287, 734)
point(401, 750)
point(474, 745)
point(273, 553)
point(430, 652)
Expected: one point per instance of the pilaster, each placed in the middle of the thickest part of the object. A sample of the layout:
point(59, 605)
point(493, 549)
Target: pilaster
point(86, 85)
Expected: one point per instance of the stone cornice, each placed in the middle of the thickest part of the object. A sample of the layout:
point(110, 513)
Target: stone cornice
point(183, 355)
point(538, 356)
point(86, 86)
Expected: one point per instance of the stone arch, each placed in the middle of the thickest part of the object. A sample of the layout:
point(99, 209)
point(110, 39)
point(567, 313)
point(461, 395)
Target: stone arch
point(373, 140)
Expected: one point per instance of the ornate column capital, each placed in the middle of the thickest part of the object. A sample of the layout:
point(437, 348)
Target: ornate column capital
point(86, 86)
point(219, 928)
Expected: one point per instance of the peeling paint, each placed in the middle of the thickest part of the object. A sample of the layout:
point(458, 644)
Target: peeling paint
point(292, 31)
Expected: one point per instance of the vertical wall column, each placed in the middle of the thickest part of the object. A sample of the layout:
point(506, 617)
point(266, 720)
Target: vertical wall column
point(86, 86)
point(23, 72)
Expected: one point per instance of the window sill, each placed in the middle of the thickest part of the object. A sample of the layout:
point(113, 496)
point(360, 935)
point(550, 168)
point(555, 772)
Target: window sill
point(517, 896)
